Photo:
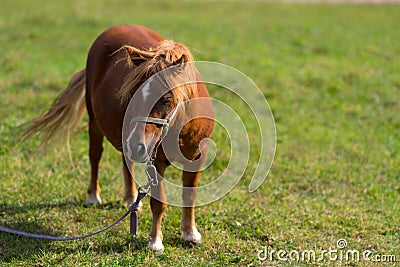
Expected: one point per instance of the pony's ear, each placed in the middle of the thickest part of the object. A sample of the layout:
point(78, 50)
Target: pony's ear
point(133, 52)
point(181, 60)
point(135, 56)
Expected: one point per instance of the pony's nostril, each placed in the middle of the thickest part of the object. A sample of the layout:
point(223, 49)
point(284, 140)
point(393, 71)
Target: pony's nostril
point(139, 149)
point(138, 152)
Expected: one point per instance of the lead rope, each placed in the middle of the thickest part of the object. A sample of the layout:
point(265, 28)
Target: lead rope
point(132, 211)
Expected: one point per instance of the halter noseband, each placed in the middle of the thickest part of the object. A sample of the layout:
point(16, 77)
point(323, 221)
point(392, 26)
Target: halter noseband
point(163, 122)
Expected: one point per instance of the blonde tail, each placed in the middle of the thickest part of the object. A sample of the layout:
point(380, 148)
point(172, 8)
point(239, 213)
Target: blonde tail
point(64, 115)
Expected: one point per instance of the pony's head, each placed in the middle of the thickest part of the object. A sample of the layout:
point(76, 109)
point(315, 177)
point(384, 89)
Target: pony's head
point(166, 82)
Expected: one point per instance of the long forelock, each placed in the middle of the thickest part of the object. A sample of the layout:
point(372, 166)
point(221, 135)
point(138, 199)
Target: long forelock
point(166, 55)
point(181, 83)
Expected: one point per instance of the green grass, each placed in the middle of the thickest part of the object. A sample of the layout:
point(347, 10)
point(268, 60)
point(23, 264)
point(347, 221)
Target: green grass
point(330, 74)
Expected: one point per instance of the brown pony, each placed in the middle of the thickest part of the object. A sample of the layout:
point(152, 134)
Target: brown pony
point(120, 60)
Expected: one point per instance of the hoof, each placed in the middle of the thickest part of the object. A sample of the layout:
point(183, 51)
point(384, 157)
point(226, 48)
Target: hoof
point(192, 236)
point(94, 200)
point(156, 244)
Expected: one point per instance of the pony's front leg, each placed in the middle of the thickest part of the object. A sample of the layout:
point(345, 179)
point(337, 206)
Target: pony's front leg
point(130, 191)
point(189, 194)
point(158, 203)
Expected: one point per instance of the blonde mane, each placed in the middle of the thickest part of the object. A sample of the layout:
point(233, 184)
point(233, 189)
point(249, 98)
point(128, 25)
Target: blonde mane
point(180, 79)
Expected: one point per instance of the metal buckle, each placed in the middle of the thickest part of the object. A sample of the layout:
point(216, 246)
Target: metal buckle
point(153, 182)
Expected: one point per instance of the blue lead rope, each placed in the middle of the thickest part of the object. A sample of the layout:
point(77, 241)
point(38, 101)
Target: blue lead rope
point(133, 211)
point(133, 224)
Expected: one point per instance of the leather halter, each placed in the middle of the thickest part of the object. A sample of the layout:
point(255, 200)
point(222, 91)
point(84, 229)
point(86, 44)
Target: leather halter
point(151, 171)
point(163, 122)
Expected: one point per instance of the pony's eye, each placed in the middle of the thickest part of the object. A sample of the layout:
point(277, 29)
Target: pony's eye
point(165, 101)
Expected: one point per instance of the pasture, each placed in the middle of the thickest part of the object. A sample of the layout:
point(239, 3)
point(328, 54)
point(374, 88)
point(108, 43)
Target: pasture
point(331, 76)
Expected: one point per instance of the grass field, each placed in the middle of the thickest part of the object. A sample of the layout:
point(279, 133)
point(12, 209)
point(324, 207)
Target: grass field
point(331, 76)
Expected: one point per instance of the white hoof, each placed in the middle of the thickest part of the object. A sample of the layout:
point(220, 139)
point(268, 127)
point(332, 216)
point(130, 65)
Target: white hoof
point(192, 236)
point(156, 244)
point(93, 200)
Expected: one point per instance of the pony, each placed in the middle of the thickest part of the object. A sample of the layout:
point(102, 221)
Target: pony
point(119, 62)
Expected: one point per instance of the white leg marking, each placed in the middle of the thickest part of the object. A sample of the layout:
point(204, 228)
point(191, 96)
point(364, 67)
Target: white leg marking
point(192, 235)
point(156, 244)
point(93, 200)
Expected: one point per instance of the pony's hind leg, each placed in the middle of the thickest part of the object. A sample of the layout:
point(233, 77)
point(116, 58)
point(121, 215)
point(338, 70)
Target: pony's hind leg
point(189, 194)
point(95, 151)
point(130, 191)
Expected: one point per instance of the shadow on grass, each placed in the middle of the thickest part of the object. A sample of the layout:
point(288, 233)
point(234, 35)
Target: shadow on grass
point(13, 209)
point(177, 241)
point(14, 247)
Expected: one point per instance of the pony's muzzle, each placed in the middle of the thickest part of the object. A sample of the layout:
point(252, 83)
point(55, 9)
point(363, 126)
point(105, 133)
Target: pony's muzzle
point(138, 152)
